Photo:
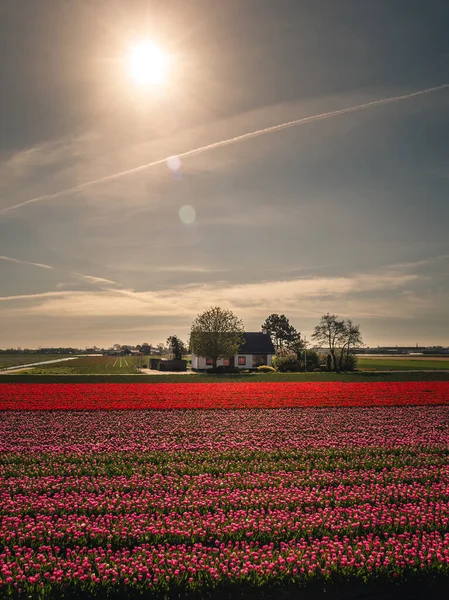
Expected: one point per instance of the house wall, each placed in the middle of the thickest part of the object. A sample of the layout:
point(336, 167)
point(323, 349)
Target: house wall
point(199, 362)
point(249, 361)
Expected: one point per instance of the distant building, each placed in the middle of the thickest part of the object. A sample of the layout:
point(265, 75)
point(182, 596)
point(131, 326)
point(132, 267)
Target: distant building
point(57, 351)
point(412, 350)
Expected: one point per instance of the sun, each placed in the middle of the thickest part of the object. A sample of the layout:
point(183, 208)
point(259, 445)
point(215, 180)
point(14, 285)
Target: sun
point(148, 63)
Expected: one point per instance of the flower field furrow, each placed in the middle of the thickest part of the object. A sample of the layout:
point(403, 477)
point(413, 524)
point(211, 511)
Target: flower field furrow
point(20, 492)
point(182, 432)
point(272, 524)
point(336, 463)
point(162, 503)
point(155, 569)
point(219, 395)
point(113, 500)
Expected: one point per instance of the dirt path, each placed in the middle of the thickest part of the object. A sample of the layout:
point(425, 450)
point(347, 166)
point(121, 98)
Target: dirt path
point(162, 373)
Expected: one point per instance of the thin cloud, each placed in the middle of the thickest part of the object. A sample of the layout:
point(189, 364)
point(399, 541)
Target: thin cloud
point(100, 280)
point(25, 262)
point(226, 142)
point(419, 263)
point(303, 295)
point(91, 278)
point(33, 296)
point(185, 269)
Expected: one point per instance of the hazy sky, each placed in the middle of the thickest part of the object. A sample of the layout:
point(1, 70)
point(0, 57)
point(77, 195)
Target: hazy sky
point(348, 214)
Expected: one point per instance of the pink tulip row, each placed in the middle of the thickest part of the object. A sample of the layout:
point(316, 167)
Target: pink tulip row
point(156, 501)
point(232, 430)
point(159, 567)
point(210, 482)
point(411, 464)
point(262, 523)
point(311, 463)
point(157, 497)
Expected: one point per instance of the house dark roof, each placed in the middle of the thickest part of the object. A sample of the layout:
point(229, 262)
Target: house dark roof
point(257, 343)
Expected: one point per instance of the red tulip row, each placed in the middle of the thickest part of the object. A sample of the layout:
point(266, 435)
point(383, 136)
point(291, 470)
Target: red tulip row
point(218, 395)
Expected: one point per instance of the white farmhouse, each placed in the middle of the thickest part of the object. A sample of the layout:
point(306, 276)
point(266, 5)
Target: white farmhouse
point(256, 350)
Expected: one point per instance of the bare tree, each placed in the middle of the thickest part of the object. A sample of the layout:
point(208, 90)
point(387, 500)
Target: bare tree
point(216, 333)
point(352, 339)
point(330, 331)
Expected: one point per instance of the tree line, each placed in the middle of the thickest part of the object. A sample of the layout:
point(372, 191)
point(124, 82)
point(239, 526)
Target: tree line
point(218, 333)
point(339, 336)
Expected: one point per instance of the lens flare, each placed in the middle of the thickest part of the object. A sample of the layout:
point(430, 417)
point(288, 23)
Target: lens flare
point(187, 214)
point(174, 163)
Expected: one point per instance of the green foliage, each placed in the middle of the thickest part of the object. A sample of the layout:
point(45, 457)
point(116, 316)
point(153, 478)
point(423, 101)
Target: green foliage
point(222, 369)
point(216, 333)
point(312, 359)
point(266, 369)
point(329, 362)
point(283, 335)
point(287, 364)
point(176, 347)
point(349, 362)
point(296, 346)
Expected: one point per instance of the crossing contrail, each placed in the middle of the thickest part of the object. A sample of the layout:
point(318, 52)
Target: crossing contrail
point(227, 142)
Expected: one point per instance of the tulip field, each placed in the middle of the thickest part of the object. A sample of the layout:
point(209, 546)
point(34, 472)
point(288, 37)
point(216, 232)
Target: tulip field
point(200, 490)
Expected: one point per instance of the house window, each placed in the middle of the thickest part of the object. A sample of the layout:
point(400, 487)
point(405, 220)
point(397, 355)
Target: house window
point(209, 362)
point(226, 362)
point(242, 361)
point(259, 359)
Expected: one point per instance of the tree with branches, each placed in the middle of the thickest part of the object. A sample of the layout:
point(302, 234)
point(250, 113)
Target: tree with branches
point(176, 347)
point(330, 332)
point(339, 336)
point(352, 339)
point(283, 335)
point(216, 333)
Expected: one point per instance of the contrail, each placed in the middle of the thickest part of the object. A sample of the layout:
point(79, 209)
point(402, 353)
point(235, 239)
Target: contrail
point(25, 262)
point(228, 142)
point(99, 280)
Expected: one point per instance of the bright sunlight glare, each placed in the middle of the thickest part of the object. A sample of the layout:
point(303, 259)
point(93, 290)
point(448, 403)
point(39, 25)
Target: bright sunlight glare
point(148, 63)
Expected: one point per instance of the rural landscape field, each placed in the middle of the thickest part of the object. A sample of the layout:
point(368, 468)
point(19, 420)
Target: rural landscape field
point(224, 273)
point(73, 365)
point(133, 365)
point(403, 363)
point(9, 361)
point(180, 490)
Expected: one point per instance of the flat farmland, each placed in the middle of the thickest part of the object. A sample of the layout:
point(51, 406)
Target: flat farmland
point(402, 363)
point(231, 490)
point(13, 360)
point(94, 365)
